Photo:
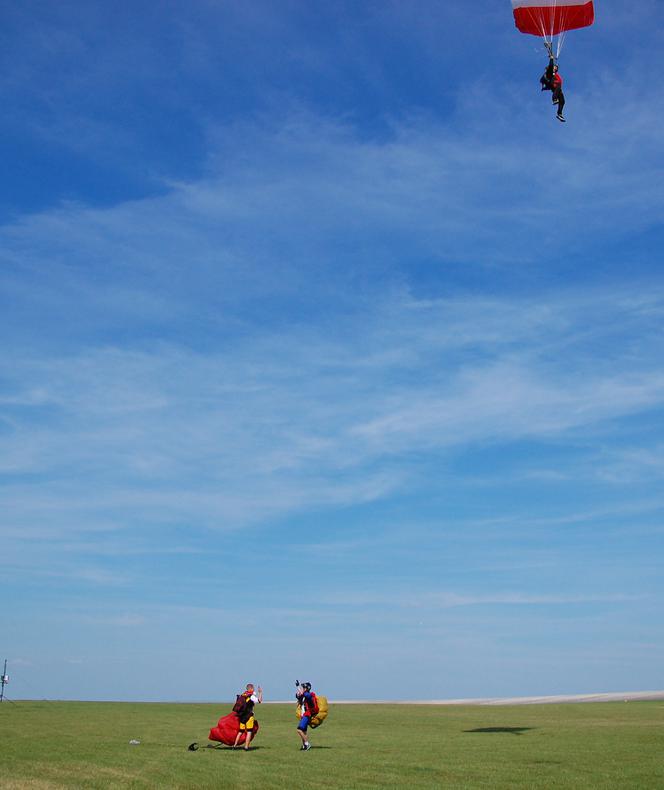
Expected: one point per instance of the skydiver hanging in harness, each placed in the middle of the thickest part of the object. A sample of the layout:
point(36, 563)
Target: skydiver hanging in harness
point(552, 81)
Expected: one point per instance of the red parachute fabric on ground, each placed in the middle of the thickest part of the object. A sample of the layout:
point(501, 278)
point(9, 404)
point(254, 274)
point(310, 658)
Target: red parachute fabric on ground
point(227, 728)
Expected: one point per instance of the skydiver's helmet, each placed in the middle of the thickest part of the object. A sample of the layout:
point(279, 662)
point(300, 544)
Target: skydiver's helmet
point(306, 686)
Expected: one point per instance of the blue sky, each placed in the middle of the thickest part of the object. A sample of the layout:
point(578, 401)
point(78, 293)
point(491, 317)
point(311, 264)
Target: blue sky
point(328, 352)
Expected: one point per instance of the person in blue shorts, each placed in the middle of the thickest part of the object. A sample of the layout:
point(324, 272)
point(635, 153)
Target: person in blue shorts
point(308, 709)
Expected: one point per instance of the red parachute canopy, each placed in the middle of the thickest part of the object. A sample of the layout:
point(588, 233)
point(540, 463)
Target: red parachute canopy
point(227, 728)
point(549, 18)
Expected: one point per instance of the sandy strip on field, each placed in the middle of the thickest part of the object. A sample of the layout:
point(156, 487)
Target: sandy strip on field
point(621, 696)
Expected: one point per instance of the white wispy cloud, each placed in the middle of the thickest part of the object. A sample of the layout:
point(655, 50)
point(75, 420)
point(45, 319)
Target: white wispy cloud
point(451, 600)
point(281, 423)
point(126, 620)
point(253, 403)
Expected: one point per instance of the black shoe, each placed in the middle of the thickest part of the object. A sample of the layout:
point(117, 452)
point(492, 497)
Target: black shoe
point(559, 116)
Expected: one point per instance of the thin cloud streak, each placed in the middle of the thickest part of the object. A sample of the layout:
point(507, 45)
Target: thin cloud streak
point(256, 430)
point(450, 600)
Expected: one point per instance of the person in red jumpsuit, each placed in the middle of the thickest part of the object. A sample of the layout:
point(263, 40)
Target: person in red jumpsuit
point(551, 80)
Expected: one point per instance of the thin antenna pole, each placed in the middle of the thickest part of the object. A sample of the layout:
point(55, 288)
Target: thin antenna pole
point(4, 680)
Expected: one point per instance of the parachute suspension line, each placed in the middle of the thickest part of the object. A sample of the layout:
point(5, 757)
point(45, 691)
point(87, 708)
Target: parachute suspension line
point(561, 41)
point(553, 43)
point(561, 35)
point(548, 40)
point(552, 20)
point(553, 15)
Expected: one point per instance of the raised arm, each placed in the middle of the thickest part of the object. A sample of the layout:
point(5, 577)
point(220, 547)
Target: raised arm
point(549, 69)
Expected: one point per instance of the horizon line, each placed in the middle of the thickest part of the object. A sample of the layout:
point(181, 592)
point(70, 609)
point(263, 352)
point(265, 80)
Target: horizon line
point(615, 696)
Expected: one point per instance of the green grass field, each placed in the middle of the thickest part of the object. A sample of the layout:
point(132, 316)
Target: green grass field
point(86, 745)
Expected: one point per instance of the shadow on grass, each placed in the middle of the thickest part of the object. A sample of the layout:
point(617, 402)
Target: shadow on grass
point(513, 730)
point(221, 748)
point(224, 748)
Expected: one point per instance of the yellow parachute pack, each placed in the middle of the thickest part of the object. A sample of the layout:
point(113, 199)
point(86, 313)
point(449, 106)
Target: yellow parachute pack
point(323, 709)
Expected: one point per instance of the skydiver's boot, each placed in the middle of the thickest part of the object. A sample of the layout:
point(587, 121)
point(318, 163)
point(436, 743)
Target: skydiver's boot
point(559, 116)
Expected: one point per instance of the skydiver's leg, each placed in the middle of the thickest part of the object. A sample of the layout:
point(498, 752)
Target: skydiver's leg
point(302, 731)
point(561, 102)
point(249, 729)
